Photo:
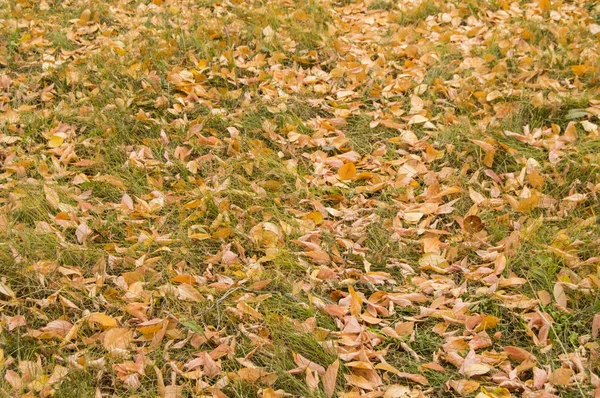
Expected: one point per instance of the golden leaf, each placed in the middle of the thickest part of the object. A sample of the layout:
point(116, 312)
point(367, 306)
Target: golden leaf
point(56, 141)
point(347, 171)
point(104, 320)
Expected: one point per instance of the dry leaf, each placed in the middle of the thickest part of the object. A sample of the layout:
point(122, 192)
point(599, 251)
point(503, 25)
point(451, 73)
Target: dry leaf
point(473, 224)
point(464, 387)
point(329, 378)
point(117, 339)
point(544, 5)
point(347, 171)
point(103, 320)
point(560, 296)
point(561, 377)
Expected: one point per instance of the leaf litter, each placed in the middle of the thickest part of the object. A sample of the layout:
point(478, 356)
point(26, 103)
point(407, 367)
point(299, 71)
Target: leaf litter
point(354, 198)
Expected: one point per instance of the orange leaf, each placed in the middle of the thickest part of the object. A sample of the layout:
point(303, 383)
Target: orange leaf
point(544, 5)
point(579, 69)
point(528, 204)
point(404, 328)
point(561, 377)
point(347, 171)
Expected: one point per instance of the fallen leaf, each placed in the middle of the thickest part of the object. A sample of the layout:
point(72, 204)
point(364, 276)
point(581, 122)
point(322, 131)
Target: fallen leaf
point(104, 320)
point(329, 378)
point(117, 339)
point(347, 171)
point(561, 377)
point(464, 387)
point(473, 224)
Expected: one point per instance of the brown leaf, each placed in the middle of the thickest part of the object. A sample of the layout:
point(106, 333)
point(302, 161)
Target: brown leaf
point(319, 256)
point(518, 354)
point(472, 224)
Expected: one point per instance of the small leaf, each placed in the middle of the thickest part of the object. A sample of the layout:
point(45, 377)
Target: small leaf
point(117, 339)
point(104, 320)
point(561, 377)
point(193, 326)
point(330, 377)
point(596, 325)
point(55, 141)
point(347, 171)
point(559, 295)
point(473, 224)
point(464, 387)
point(82, 232)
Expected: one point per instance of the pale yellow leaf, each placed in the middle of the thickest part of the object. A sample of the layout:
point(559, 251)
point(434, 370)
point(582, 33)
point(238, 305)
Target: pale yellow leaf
point(330, 377)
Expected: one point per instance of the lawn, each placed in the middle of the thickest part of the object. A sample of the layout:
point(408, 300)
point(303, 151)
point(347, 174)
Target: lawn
point(299, 198)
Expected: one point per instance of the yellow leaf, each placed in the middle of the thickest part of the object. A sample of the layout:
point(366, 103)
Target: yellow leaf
point(488, 322)
point(347, 171)
point(104, 320)
point(222, 233)
point(84, 18)
point(544, 5)
point(55, 141)
point(151, 327)
point(579, 69)
point(434, 261)
point(316, 216)
point(497, 393)
point(528, 204)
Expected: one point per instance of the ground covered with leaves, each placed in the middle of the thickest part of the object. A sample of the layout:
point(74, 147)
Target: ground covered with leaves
point(299, 198)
